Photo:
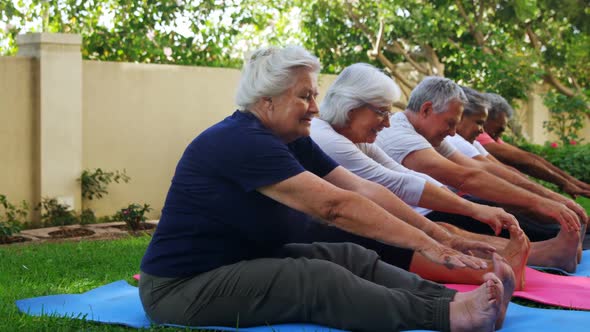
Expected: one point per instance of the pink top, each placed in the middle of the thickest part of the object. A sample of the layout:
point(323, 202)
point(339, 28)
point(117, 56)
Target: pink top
point(484, 138)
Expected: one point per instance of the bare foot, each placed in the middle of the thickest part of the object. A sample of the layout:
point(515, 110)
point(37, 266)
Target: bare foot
point(516, 254)
point(504, 272)
point(477, 310)
point(560, 251)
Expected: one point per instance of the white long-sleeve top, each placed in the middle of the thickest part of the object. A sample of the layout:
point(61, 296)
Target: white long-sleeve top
point(371, 163)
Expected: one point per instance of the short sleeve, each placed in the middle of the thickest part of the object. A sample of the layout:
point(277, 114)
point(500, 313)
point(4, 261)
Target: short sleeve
point(480, 148)
point(484, 138)
point(400, 139)
point(445, 149)
point(462, 145)
point(312, 157)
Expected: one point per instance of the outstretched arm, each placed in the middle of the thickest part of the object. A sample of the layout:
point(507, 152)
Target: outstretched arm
point(488, 186)
point(356, 214)
point(537, 167)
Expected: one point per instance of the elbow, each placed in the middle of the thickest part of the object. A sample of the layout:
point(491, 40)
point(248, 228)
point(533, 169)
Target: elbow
point(334, 209)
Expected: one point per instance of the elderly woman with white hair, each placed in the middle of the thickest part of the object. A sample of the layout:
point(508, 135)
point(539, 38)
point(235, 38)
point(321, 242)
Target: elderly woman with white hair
point(221, 253)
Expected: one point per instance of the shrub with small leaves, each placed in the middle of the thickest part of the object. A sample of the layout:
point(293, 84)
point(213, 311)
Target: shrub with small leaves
point(94, 183)
point(133, 215)
point(54, 213)
point(13, 219)
point(572, 158)
point(87, 216)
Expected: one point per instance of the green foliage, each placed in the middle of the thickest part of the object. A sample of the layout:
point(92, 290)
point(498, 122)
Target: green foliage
point(567, 117)
point(13, 219)
point(87, 216)
point(574, 159)
point(54, 213)
point(133, 215)
point(190, 32)
point(94, 183)
point(498, 46)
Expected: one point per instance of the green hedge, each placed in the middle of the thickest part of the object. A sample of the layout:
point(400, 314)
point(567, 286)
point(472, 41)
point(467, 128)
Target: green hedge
point(574, 159)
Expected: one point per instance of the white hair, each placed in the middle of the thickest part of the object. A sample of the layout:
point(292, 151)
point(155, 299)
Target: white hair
point(438, 90)
point(357, 85)
point(269, 73)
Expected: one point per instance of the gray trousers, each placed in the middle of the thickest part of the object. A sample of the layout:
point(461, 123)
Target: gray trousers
point(341, 285)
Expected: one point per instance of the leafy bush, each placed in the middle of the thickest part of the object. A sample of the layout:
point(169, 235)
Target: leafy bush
point(13, 219)
point(572, 158)
point(133, 215)
point(87, 216)
point(94, 183)
point(54, 213)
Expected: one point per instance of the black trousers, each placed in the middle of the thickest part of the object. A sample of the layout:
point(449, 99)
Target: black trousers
point(534, 230)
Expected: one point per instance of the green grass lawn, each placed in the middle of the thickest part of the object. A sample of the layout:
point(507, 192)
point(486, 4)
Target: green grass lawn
point(56, 268)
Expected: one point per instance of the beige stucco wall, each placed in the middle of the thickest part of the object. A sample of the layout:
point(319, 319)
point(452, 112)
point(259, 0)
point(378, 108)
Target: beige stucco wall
point(17, 128)
point(140, 118)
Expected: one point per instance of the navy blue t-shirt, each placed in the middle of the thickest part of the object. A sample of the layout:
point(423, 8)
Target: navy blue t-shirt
point(213, 215)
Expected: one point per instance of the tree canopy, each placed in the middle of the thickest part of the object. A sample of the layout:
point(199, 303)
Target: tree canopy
point(504, 46)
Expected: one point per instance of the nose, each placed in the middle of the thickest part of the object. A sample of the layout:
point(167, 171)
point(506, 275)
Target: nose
point(313, 106)
point(480, 129)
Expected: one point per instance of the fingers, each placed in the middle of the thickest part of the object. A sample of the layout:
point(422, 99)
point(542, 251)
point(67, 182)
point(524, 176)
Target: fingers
point(481, 246)
point(580, 211)
point(511, 221)
point(473, 262)
point(569, 220)
point(495, 225)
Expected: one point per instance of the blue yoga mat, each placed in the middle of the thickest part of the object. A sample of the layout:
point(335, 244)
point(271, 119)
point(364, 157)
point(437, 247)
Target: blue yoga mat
point(583, 269)
point(118, 303)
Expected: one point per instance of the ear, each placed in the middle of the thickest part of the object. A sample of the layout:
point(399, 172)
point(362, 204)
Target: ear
point(426, 109)
point(267, 102)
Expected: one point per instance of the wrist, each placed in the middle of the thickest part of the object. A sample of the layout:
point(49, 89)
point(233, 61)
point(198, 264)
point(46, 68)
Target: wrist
point(425, 243)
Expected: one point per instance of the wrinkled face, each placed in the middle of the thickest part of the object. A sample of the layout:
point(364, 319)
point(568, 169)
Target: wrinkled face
point(365, 123)
point(495, 127)
point(472, 125)
point(290, 113)
point(439, 125)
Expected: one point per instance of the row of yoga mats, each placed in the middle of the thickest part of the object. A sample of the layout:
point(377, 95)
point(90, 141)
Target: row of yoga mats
point(119, 303)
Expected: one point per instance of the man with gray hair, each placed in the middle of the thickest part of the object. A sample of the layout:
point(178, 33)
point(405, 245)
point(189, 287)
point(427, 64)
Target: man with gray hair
point(529, 163)
point(416, 140)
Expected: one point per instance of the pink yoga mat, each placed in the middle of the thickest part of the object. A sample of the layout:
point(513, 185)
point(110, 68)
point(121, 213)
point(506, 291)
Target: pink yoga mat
point(563, 291)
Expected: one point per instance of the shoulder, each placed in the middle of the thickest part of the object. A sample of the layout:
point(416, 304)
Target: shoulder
point(484, 138)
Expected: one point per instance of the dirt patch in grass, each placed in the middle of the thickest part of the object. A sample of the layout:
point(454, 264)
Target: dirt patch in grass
point(71, 232)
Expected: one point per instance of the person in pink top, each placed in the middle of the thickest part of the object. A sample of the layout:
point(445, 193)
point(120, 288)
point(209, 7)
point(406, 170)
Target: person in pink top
point(529, 163)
